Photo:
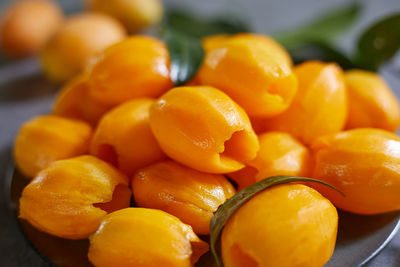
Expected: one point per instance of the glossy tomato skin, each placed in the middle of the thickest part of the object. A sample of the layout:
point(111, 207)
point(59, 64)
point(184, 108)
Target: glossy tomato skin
point(363, 164)
point(286, 225)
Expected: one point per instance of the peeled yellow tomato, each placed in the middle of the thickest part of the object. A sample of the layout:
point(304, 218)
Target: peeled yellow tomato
point(144, 237)
point(287, 225)
point(201, 127)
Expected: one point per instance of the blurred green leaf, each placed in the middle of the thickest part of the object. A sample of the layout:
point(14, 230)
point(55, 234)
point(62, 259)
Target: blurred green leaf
point(325, 28)
point(182, 33)
point(191, 25)
point(318, 50)
point(379, 43)
point(186, 55)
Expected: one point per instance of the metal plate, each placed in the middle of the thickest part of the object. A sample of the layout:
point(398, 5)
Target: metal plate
point(360, 238)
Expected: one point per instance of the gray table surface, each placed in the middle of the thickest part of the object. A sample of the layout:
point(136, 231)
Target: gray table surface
point(18, 102)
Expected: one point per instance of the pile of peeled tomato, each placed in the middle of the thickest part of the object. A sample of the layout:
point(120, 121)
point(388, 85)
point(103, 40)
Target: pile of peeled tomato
point(140, 167)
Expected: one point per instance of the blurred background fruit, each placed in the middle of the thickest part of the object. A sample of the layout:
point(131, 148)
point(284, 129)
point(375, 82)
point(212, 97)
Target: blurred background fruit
point(27, 25)
point(81, 37)
point(136, 15)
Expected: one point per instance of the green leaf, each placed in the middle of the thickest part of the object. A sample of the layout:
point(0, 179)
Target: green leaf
point(324, 28)
point(185, 23)
point(379, 43)
point(186, 55)
point(226, 210)
point(183, 32)
point(321, 51)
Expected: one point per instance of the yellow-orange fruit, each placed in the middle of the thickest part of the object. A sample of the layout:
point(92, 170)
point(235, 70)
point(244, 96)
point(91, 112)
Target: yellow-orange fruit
point(124, 138)
point(320, 105)
point(287, 225)
point(280, 154)
point(371, 102)
point(135, 67)
point(48, 138)
point(364, 165)
point(69, 198)
point(201, 127)
point(190, 195)
point(138, 237)
point(253, 71)
point(80, 38)
point(214, 41)
point(27, 25)
point(74, 101)
point(134, 14)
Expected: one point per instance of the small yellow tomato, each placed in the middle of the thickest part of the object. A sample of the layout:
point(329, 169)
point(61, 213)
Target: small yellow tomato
point(320, 105)
point(138, 237)
point(364, 165)
point(371, 102)
point(253, 70)
point(124, 139)
point(190, 195)
point(215, 41)
point(48, 138)
point(287, 225)
point(74, 101)
point(136, 67)
point(280, 154)
point(201, 127)
point(70, 197)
